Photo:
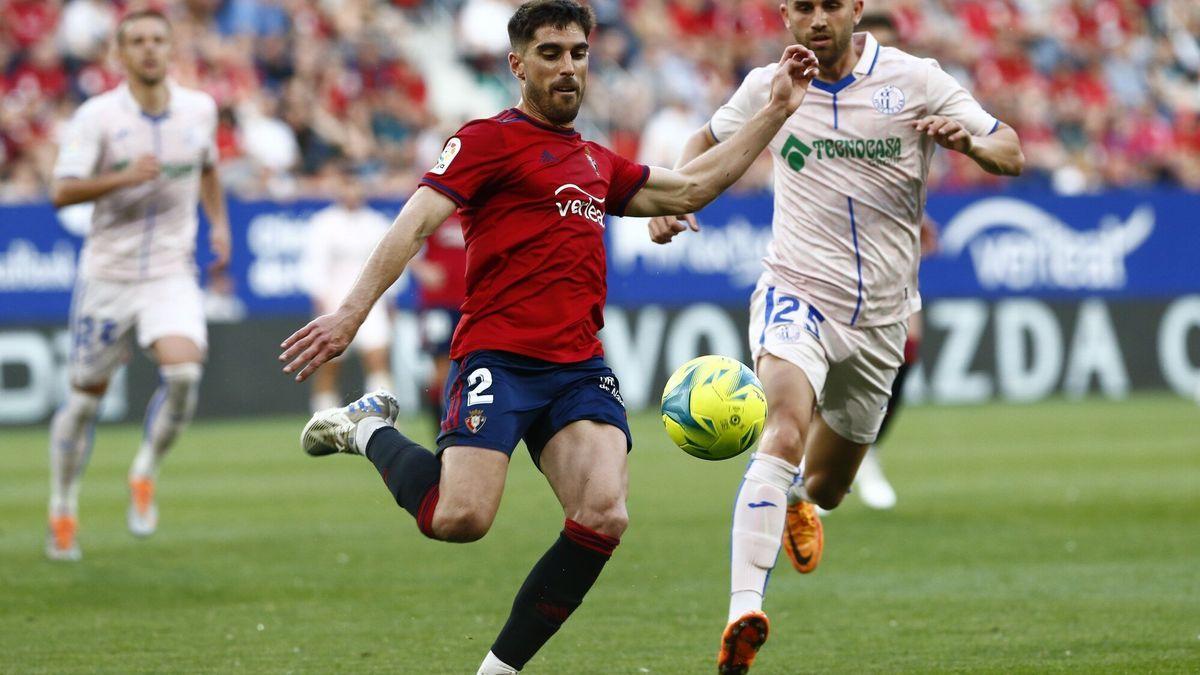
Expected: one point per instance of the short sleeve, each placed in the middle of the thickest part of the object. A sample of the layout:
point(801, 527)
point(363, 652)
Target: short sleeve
point(80, 146)
point(627, 178)
point(945, 96)
point(749, 98)
point(470, 160)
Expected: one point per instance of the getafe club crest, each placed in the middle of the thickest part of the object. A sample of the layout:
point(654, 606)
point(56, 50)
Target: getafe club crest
point(888, 100)
point(587, 153)
point(475, 420)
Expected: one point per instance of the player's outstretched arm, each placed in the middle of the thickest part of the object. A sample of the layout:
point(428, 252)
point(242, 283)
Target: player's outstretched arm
point(328, 335)
point(686, 190)
point(212, 198)
point(997, 153)
point(664, 228)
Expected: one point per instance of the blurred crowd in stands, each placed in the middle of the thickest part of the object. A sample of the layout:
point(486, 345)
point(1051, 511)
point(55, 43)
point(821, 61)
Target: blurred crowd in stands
point(1103, 92)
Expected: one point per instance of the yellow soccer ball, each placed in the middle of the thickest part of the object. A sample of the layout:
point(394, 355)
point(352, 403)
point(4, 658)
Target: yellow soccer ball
point(714, 407)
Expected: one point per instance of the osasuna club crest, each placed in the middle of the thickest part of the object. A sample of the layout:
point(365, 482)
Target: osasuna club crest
point(475, 420)
point(888, 100)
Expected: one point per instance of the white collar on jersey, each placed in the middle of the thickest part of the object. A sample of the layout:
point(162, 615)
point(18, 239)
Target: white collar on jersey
point(870, 56)
point(133, 106)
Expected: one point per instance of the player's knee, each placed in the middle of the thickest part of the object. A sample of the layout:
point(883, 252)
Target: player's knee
point(784, 438)
point(182, 381)
point(461, 525)
point(608, 517)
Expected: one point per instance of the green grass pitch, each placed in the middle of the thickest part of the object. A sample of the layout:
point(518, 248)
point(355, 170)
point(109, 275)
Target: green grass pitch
point(1043, 538)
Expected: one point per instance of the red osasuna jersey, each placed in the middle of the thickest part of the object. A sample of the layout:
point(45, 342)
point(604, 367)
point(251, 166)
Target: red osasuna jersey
point(532, 199)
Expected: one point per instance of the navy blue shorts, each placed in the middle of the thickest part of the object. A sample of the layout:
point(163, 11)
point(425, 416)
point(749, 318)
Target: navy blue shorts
point(496, 399)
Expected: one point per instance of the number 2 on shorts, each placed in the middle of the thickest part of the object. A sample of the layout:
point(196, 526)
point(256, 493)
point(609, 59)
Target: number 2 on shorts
point(479, 380)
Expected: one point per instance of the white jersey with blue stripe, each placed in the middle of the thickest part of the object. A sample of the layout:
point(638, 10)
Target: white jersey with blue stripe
point(145, 231)
point(850, 173)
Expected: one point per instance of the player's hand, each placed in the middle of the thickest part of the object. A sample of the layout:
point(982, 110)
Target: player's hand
point(324, 338)
point(218, 242)
point(664, 228)
point(797, 68)
point(142, 169)
point(946, 132)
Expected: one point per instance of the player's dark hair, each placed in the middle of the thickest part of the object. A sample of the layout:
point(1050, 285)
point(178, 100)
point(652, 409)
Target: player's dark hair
point(145, 13)
point(877, 21)
point(534, 14)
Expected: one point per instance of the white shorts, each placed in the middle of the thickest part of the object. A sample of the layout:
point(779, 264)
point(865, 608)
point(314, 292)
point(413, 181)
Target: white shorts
point(375, 331)
point(850, 369)
point(103, 313)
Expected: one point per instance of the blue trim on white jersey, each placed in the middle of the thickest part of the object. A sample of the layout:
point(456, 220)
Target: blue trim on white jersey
point(836, 86)
point(767, 317)
point(712, 134)
point(152, 210)
point(995, 128)
point(857, 259)
point(835, 113)
point(878, 48)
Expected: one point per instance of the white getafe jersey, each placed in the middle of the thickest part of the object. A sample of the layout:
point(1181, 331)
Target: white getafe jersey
point(850, 177)
point(146, 231)
point(339, 242)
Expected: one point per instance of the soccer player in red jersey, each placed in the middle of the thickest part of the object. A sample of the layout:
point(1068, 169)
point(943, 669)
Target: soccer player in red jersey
point(532, 196)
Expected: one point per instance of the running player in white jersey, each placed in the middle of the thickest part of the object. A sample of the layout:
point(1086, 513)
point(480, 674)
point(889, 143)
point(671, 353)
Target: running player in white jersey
point(340, 239)
point(828, 315)
point(145, 154)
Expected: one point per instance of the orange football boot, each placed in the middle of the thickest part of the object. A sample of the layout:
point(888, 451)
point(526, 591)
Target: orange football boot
point(803, 536)
point(740, 643)
point(60, 540)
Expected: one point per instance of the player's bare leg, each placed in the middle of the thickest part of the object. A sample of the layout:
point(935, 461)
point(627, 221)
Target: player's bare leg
point(759, 509)
point(324, 394)
point(830, 464)
point(171, 408)
point(469, 492)
point(586, 465)
point(70, 449)
point(453, 497)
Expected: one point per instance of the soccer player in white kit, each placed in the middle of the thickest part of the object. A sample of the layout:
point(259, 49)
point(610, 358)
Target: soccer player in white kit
point(145, 153)
point(828, 317)
point(340, 239)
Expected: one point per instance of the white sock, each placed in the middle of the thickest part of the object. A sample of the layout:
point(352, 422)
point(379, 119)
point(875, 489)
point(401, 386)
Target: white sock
point(797, 493)
point(494, 666)
point(323, 401)
point(759, 513)
point(364, 430)
point(169, 411)
point(376, 381)
point(70, 448)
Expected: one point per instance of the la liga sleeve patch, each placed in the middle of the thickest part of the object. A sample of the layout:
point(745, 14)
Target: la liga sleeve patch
point(448, 154)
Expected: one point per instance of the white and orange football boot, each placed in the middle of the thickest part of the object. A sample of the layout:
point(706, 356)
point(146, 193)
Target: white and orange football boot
point(142, 514)
point(740, 643)
point(60, 539)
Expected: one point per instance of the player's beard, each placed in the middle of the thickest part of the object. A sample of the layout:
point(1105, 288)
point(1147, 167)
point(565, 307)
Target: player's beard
point(558, 111)
point(828, 55)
